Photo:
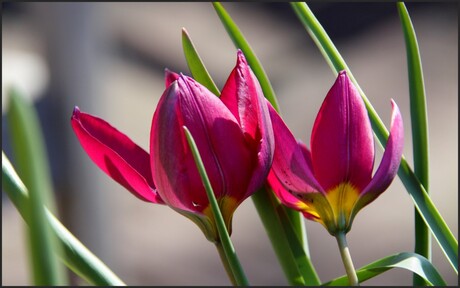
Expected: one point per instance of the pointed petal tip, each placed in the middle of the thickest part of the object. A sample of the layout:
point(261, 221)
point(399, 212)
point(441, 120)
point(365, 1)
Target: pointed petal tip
point(76, 112)
point(343, 76)
point(240, 57)
point(170, 77)
point(396, 113)
point(391, 159)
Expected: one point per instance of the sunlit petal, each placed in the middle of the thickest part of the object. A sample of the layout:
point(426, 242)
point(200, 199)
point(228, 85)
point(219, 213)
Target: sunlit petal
point(116, 154)
point(227, 163)
point(390, 160)
point(289, 163)
point(342, 144)
point(244, 98)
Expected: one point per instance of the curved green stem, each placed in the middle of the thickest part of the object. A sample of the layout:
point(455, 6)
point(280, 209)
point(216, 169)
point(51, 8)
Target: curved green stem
point(346, 258)
point(74, 254)
point(223, 258)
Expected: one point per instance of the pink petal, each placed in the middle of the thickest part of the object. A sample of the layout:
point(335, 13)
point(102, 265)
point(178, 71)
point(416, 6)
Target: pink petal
point(289, 163)
point(263, 147)
point(391, 157)
point(165, 143)
point(170, 77)
point(342, 144)
point(286, 197)
point(306, 153)
point(219, 139)
point(116, 154)
point(244, 98)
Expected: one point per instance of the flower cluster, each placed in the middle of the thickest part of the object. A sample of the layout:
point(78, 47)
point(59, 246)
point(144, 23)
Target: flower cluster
point(244, 142)
point(234, 136)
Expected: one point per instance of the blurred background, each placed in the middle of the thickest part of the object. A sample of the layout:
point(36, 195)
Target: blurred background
point(109, 58)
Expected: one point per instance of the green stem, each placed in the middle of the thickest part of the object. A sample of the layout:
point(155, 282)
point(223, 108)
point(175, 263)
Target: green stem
point(419, 124)
point(346, 258)
point(224, 259)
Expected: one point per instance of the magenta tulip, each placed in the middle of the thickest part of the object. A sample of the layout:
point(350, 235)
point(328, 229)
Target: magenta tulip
point(233, 134)
point(334, 181)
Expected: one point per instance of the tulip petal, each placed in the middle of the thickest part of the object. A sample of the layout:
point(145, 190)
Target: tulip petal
point(306, 153)
point(390, 161)
point(288, 199)
point(244, 98)
point(165, 143)
point(116, 154)
point(342, 143)
point(289, 163)
point(170, 77)
point(228, 162)
point(265, 147)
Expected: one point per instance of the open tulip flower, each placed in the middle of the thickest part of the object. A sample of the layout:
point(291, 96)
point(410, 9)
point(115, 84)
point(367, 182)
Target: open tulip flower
point(333, 181)
point(233, 134)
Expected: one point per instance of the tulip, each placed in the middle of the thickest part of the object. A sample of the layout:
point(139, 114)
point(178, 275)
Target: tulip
point(333, 181)
point(233, 134)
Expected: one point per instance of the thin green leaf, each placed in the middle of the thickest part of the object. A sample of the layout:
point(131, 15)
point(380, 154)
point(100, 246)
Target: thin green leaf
point(30, 155)
point(419, 124)
point(409, 261)
point(422, 201)
point(227, 244)
point(196, 66)
point(74, 254)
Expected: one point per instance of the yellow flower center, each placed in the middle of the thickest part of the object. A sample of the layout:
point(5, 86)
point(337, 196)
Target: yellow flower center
point(342, 199)
point(333, 210)
point(227, 207)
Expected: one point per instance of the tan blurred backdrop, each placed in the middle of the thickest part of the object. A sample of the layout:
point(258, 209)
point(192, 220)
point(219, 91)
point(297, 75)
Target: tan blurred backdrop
point(109, 58)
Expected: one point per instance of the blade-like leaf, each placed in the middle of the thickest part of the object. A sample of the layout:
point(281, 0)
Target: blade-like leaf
point(196, 66)
point(263, 200)
point(227, 244)
point(422, 201)
point(74, 254)
point(30, 155)
point(419, 123)
point(409, 261)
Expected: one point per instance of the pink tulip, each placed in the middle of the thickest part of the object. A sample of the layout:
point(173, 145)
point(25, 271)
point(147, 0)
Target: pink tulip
point(334, 181)
point(233, 134)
